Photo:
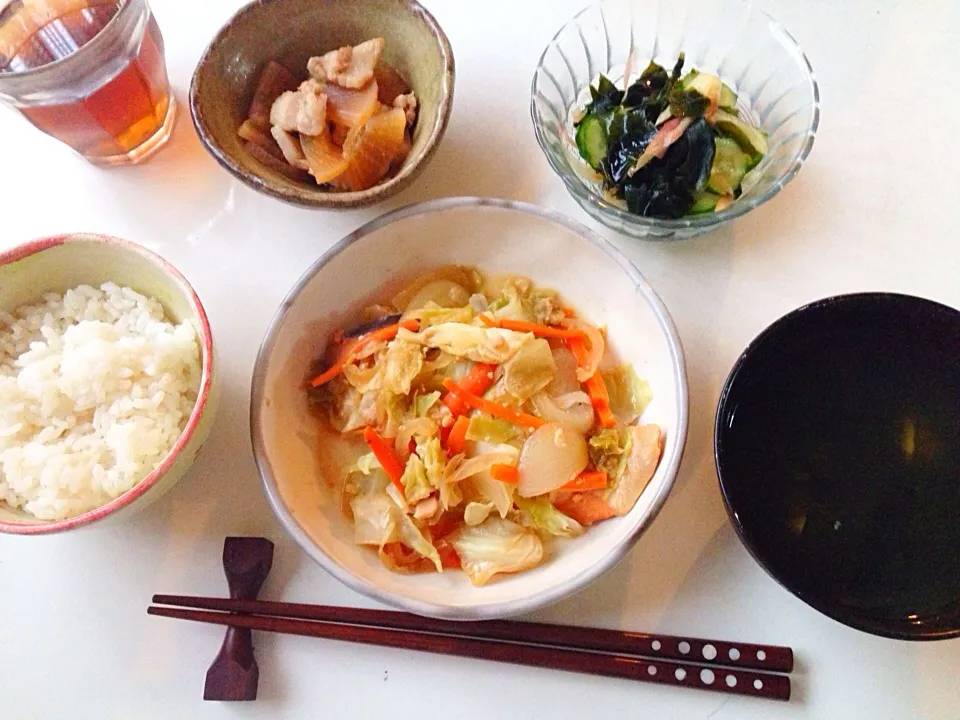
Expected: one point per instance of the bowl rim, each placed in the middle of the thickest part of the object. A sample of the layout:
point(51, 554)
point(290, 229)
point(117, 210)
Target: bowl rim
point(315, 198)
point(34, 247)
point(674, 449)
point(583, 195)
point(864, 623)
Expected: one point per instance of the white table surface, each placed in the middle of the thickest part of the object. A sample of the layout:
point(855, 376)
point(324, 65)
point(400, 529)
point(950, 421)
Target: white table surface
point(875, 208)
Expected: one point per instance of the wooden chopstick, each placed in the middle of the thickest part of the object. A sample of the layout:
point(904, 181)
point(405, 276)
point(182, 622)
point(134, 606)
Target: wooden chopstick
point(729, 680)
point(768, 658)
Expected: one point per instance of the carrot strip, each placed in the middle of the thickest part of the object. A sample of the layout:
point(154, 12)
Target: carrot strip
point(458, 436)
point(569, 313)
point(449, 559)
point(493, 408)
point(579, 351)
point(385, 333)
point(587, 480)
point(505, 473)
point(542, 331)
point(600, 400)
point(477, 381)
point(595, 387)
point(388, 460)
point(447, 523)
point(586, 508)
point(329, 374)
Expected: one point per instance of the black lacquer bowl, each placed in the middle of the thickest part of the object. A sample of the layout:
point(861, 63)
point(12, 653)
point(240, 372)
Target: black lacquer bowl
point(837, 446)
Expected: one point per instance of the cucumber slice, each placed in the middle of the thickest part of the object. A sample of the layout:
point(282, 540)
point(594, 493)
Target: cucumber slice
point(706, 84)
point(728, 98)
point(592, 140)
point(688, 78)
point(752, 140)
point(730, 164)
point(704, 202)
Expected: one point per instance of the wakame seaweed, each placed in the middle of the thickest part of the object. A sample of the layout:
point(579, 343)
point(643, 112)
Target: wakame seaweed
point(655, 143)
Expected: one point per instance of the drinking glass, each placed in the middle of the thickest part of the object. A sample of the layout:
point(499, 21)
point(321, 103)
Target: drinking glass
point(90, 73)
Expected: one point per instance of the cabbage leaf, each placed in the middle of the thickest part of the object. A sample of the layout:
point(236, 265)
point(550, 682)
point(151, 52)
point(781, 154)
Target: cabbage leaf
point(393, 410)
point(521, 300)
point(416, 487)
point(609, 450)
point(365, 464)
point(480, 344)
point(409, 534)
point(540, 514)
point(484, 488)
point(476, 512)
point(423, 403)
point(529, 370)
point(378, 521)
point(629, 394)
point(432, 314)
point(374, 519)
point(496, 546)
point(434, 460)
point(401, 365)
point(509, 305)
point(486, 428)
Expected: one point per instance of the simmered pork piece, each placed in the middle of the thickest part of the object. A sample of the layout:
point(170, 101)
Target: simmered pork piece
point(290, 147)
point(348, 67)
point(303, 110)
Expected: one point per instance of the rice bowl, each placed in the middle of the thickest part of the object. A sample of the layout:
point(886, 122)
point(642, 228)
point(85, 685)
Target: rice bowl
point(95, 388)
point(107, 388)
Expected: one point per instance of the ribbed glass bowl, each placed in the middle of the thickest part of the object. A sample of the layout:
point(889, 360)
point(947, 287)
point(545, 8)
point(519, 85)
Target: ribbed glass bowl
point(751, 53)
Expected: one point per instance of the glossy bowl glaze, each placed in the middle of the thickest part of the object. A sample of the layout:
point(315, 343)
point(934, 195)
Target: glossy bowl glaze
point(290, 32)
point(838, 452)
point(59, 263)
point(751, 53)
point(499, 237)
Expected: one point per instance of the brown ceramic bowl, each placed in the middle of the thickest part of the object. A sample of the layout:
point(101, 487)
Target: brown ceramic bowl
point(290, 32)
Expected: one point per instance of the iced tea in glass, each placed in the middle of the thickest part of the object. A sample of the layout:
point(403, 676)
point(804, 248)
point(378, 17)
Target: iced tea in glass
point(91, 73)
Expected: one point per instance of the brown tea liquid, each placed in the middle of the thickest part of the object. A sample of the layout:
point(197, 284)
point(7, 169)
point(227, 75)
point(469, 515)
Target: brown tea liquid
point(118, 116)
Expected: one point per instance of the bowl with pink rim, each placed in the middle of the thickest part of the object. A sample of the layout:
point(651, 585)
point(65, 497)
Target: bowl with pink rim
point(59, 263)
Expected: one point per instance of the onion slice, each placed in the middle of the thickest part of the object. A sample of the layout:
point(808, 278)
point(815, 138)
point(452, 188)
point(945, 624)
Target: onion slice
point(550, 458)
point(567, 401)
point(595, 346)
point(577, 415)
point(565, 379)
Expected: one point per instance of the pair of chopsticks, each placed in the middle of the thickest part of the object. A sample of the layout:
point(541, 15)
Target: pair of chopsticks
point(721, 666)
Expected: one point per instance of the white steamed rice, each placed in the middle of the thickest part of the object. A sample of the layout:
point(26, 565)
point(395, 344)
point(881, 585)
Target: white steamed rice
point(95, 388)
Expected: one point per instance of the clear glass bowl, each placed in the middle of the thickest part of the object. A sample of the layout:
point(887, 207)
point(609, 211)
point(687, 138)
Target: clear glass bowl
point(749, 50)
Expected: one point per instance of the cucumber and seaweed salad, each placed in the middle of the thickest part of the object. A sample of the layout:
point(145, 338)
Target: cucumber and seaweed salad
point(667, 145)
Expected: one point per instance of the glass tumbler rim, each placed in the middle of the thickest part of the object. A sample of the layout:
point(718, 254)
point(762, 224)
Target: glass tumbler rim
point(112, 32)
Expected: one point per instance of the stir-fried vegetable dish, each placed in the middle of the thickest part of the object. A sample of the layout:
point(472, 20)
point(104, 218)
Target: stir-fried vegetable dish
point(666, 145)
point(487, 418)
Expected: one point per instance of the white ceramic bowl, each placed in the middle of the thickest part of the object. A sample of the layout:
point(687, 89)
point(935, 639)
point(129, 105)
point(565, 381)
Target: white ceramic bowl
point(495, 236)
point(59, 263)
